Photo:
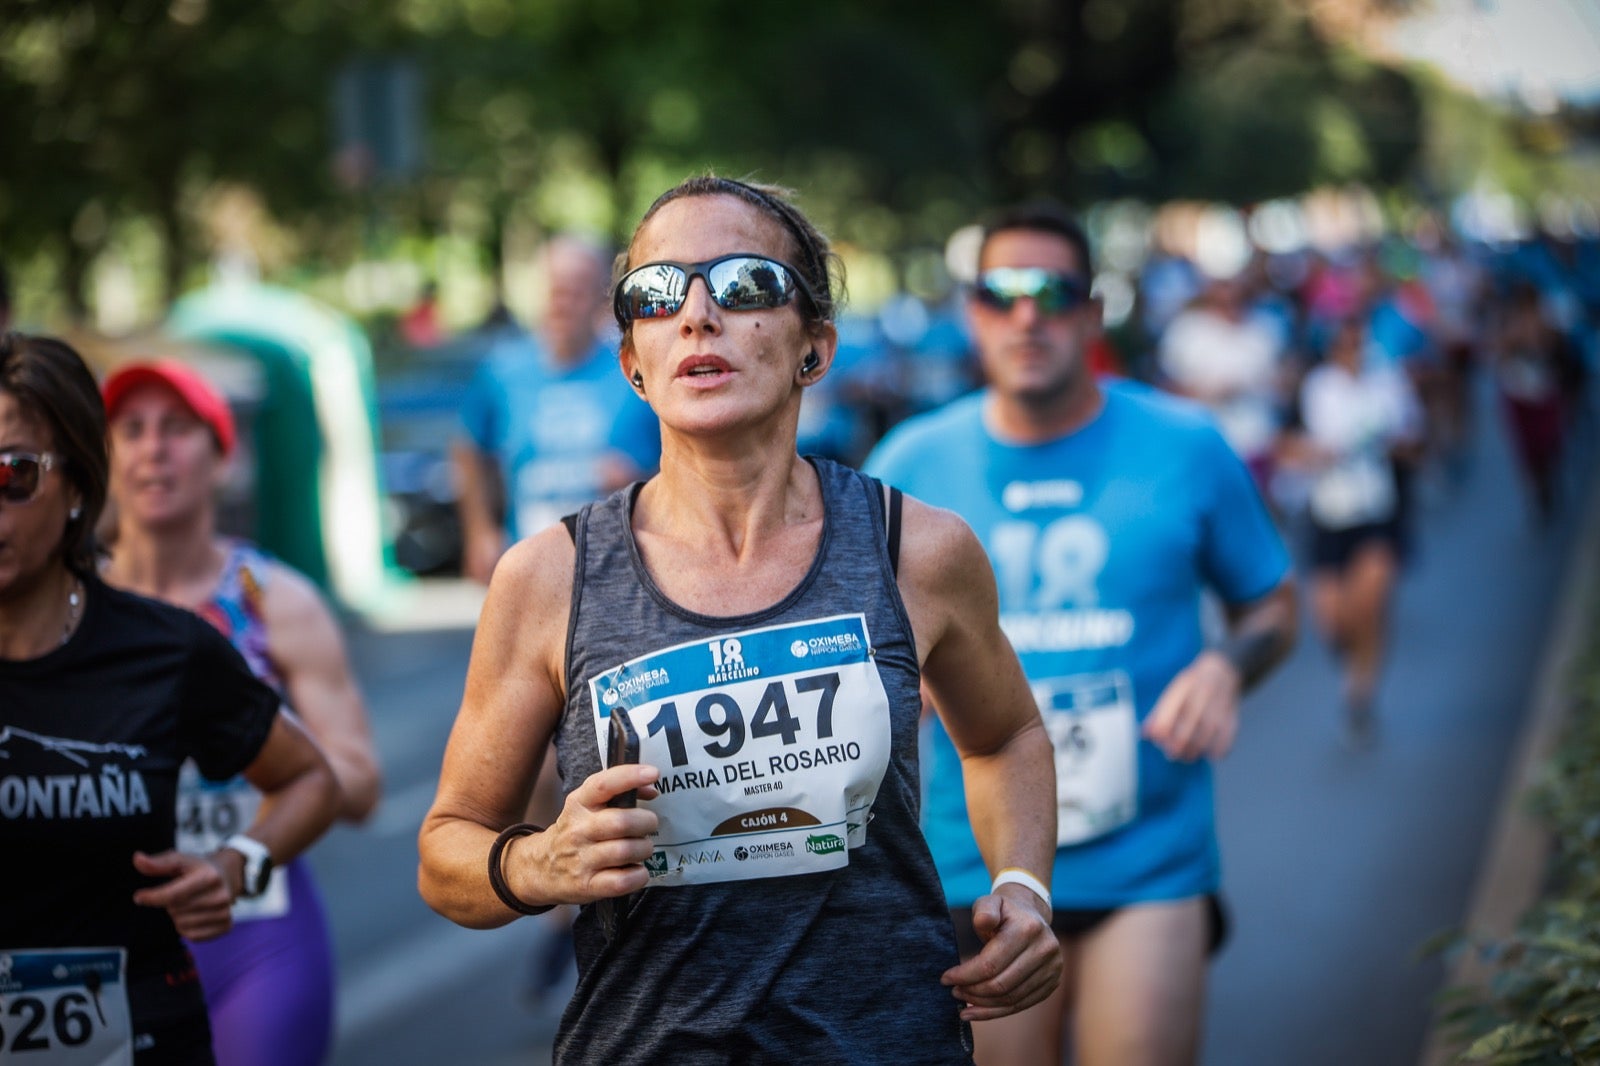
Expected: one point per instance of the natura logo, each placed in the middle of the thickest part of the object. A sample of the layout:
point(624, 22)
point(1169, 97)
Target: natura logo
point(824, 843)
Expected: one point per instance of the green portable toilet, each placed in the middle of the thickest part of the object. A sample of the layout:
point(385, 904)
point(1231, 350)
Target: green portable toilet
point(318, 501)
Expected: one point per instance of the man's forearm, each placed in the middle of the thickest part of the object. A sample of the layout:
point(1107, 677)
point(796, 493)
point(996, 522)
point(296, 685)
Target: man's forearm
point(1262, 636)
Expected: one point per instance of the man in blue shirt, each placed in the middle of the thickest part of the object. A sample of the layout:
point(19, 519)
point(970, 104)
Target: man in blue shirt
point(549, 423)
point(1107, 510)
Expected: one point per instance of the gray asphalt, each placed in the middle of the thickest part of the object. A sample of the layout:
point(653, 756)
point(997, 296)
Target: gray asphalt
point(1338, 866)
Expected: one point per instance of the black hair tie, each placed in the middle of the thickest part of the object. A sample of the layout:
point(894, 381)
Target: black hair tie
point(497, 878)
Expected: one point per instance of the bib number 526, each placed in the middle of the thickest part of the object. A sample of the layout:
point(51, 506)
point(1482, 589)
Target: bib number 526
point(31, 1024)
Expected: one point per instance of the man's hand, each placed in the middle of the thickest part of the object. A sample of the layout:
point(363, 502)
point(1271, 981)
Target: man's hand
point(198, 893)
point(1020, 963)
point(1198, 713)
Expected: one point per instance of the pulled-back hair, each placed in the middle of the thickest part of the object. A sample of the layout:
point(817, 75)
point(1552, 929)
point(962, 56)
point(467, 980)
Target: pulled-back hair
point(1043, 216)
point(820, 268)
point(50, 381)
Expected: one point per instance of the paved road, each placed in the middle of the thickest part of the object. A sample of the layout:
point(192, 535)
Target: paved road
point(1337, 865)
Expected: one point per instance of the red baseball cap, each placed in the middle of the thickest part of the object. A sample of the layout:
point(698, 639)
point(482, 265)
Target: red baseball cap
point(194, 390)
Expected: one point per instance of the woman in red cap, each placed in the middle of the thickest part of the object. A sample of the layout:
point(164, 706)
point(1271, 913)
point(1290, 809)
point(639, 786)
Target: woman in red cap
point(269, 983)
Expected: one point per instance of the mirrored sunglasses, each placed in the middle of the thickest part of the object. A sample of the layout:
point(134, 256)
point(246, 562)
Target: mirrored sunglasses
point(1053, 293)
point(738, 282)
point(21, 474)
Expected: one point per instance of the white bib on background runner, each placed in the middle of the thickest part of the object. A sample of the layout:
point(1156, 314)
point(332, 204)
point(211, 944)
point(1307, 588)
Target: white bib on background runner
point(1093, 729)
point(210, 812)
point(65, 1007)
point(771, 743)
point(1358, 490)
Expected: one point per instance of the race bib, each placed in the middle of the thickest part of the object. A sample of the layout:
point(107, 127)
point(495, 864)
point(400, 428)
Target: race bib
point(210, 812)
point(1093, 729)
point(1248, 423)
point(65, 1007)
point(771, 742)
point(1359, 490)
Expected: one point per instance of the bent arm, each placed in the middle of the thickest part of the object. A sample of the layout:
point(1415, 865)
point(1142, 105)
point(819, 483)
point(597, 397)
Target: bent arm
point(982, 696)
point(305, 644)
point(299, 793)
point(514, 698)
point(1261, 634)
point(984, 700)
point(299, 801)
point(1197, 714)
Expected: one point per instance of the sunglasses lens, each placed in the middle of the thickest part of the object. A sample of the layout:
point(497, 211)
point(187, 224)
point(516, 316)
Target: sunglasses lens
point(1053, 293)
point(19, 477)
point(749, 283)
point(654, 291)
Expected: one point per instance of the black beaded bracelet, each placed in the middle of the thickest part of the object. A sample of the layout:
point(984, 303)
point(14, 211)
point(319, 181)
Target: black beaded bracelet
point(497, 879)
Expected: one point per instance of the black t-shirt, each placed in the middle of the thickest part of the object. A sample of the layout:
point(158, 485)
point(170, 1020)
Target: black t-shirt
point(91, 739)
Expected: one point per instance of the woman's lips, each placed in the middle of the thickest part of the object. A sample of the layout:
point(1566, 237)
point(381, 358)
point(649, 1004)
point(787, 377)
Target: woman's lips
point(704, 368)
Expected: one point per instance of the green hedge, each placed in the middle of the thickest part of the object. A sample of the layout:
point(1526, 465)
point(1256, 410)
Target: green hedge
point(1542, 1003)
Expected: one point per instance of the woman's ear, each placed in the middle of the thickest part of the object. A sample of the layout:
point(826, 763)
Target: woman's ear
point(814, 366)
point(630, 368)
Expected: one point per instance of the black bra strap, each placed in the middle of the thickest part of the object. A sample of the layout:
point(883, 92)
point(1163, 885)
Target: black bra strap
point(892, 522)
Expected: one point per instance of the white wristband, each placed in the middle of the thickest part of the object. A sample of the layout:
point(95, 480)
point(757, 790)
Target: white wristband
point(1016, 875)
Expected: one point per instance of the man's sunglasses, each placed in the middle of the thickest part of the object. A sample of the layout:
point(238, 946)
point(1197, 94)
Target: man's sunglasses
point(738, 282)
point(1052, 293)
point(20, 474)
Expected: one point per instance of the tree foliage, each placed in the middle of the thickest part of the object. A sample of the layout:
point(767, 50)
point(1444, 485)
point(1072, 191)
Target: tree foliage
point(899, 118)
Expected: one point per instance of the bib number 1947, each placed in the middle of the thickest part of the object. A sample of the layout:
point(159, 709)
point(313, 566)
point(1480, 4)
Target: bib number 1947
point(719, 717)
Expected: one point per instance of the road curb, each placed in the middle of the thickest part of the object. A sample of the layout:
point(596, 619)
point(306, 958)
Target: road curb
point(1518, 845)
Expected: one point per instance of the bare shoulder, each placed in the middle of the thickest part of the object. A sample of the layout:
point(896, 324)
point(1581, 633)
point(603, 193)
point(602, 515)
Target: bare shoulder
point(540, 565)
point(530, 595)
point(289, 599)
point(937, 548)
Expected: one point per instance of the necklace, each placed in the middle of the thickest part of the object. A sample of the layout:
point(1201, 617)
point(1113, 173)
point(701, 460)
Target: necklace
point(74, 609)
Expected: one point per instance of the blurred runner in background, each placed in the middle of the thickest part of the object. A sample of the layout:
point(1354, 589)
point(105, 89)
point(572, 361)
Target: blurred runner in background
point(1359, 417)
point(1106, 510)
point(269, 983)
point(1540, 378)
point(1220, 352)
point(549, 424)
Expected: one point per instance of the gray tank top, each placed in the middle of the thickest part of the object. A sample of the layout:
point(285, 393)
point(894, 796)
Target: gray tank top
point(833, 966)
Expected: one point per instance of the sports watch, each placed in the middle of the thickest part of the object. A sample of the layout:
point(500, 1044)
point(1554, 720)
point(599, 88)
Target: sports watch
point(257, 864)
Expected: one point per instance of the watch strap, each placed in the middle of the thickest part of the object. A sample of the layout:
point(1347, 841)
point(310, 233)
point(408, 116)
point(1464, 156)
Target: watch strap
point(257, 863)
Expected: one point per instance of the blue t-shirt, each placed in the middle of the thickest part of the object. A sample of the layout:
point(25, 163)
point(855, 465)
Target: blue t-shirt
point(1102, 542)
point(552, 428)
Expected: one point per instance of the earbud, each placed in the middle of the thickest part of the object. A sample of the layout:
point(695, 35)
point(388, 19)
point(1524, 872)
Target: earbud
point(75, 514)
point(638, 380)
point(810, 362)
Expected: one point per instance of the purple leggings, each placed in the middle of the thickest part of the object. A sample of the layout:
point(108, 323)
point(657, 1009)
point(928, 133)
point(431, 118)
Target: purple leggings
point(269, 984)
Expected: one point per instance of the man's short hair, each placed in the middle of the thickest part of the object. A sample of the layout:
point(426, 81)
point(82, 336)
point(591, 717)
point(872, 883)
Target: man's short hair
point(1042, 216)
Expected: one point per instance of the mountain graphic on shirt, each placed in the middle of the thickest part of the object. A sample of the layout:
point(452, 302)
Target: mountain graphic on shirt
point(75, 751)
